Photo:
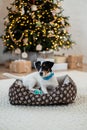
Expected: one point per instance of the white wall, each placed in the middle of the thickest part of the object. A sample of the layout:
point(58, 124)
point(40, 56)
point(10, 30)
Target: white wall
point(3, 13)
point(76, 9)
point(78, 19)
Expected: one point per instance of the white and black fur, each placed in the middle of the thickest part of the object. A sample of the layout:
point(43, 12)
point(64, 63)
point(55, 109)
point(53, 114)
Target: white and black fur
point(43, 78)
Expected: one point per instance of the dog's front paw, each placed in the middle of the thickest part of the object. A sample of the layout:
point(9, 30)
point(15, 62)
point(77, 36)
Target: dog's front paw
point(45, 92)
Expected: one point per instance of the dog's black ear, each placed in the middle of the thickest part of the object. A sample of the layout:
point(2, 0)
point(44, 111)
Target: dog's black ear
point(49, 64)
point(38, 65)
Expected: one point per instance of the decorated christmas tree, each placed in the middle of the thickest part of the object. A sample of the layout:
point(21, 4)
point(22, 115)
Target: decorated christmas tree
point(36, 25)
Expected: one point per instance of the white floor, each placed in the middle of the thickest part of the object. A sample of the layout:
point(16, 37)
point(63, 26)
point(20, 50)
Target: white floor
point(70, 117)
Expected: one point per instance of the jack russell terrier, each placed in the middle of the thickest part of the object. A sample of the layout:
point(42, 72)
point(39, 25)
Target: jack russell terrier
point(43, 78)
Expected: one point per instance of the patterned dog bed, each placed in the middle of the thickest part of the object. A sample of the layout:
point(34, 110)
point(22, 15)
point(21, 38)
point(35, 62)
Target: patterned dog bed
point(65, 93)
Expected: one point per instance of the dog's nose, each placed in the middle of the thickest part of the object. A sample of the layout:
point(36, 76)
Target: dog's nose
point(41, 73)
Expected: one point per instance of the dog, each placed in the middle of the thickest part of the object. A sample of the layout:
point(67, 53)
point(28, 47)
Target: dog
point(43, 78)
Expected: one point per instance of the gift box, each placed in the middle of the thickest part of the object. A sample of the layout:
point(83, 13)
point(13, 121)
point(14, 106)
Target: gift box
point(45, 59)
point(75, 61)
point(60, 66)
point(7, 63)
point(21, 66)
point(60, 59)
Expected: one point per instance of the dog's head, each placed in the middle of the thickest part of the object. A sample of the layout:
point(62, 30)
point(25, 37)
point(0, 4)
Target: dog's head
point(44, 68)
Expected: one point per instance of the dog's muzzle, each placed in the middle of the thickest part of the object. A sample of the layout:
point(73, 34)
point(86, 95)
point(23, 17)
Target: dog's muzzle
point(41, 73)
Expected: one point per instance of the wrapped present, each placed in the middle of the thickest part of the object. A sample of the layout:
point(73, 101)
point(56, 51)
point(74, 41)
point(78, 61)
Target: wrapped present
point(7, 63)
point(60, 66)
point(21, 66)
point(46, 54)
point(45, 59)
point(60, 59)
point(75, 61)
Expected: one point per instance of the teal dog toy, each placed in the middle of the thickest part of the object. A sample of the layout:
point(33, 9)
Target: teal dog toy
point(37, 91)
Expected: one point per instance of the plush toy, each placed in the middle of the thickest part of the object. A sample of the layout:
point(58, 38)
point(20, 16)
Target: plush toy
point(37, 91)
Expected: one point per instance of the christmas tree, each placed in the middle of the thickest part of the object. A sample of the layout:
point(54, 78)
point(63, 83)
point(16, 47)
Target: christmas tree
point(36, 25)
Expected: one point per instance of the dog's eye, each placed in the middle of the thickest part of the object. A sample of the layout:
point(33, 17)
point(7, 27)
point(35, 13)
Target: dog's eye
point(43, 65)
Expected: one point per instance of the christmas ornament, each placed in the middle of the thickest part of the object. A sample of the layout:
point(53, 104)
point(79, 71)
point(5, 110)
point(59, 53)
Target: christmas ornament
point(59, 4)
point(67, 28)
point(64, 38)
point(39, 47)
point(6, 21)
point(54, 12)
point(25, 40)
point(28, 11)
point(52, 22)
point(17, 51)
point(57, 10)
point(34, 8)
point(51, 32)
point(24, 55)
point(55, 1)
point(22, 11)
point(38, 23)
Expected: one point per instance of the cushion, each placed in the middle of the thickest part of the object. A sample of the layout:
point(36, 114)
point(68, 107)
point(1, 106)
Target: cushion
point(64, 93)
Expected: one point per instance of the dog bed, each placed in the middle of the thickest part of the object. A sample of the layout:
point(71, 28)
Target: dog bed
point(65, 93)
